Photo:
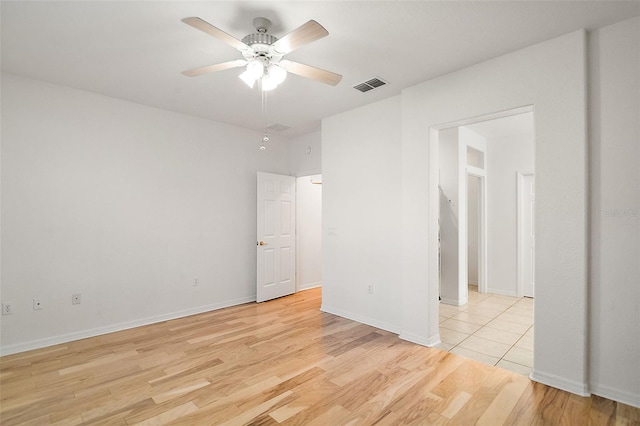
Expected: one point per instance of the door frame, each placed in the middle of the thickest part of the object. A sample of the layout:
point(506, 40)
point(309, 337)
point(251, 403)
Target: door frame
point(481, 174)
point(299, 241)
point(520, 176)
point(433, 192)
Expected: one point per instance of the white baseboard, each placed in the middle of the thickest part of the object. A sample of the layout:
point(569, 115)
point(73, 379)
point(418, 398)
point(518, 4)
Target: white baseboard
point(362, 319)
point(608, 392)
point(453, 301)
point(309, 286)
point(83, 334)
point(421, 340)
point(579, 388)
point(502, 292)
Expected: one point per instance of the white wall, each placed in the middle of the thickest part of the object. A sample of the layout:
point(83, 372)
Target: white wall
point(551, 76)
point(124, 204)
point(361, 216)
point(508, 155)
point(308, 232)
point(306, 155)
point(614, 179)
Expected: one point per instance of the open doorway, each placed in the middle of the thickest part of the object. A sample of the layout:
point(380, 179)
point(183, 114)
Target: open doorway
point(526, 234)
point(475, 231)
point(494, 324)
point(308, 232)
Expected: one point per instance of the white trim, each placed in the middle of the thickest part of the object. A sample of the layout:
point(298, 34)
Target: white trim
point(625, 397)
point(309, 286)
point(433, 225)
point(578, 388)
point(485, 117)
point(419, 340)
point(519, 237)
point(483, 262)
point(476, 171)
point(361, 319)
point(98, 331)
point(463, 231)
point(502, 292)
point(454, 302)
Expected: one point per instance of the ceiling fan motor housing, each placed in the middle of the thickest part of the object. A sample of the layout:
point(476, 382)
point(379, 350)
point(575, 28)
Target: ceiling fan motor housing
point(260, 39)
point(260, 46)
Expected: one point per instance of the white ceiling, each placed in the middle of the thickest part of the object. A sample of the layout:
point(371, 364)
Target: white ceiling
point(136, 50)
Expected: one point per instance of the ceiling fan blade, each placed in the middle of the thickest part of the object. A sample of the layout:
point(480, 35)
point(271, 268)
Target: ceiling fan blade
point(304, 34)
point(213, 68)
point(313, 73)
point(206, 27)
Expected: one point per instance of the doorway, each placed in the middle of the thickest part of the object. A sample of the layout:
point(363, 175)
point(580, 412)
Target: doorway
point(526, 234)
point(289, 235)
point(476, 233)
point(309, 231)
point(462, 214)
point(495, 325)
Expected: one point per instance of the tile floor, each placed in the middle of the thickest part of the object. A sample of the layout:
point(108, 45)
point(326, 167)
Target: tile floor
point(491, 328)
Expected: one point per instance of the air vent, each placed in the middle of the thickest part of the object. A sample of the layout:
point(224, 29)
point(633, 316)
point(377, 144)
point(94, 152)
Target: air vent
point(370, 84)
point(278, 127)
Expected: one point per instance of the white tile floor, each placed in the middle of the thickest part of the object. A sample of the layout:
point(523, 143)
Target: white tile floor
point(493, 329)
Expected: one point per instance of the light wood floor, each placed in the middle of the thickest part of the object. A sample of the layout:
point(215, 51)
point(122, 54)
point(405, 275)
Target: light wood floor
point(280, 362)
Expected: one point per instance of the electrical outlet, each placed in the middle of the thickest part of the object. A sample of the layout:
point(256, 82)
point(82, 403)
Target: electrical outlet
point(37, 304)
point(76, 299)
point(196, 282)
point(7, 309)
point(370, 289)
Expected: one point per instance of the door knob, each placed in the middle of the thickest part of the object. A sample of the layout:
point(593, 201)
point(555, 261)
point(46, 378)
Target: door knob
point(262, 243)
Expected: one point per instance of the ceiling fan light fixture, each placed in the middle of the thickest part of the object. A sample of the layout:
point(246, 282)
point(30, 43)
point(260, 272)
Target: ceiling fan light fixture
point(277, 73)
point(256, 69)
point(268, 83)
point(248, 79)
point(253, 72)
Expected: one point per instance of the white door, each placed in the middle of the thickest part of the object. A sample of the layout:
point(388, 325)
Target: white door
point(528, 232)
point(275, 243)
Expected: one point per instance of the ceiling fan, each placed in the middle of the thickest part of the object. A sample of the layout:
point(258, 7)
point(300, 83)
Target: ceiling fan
point(263, 53)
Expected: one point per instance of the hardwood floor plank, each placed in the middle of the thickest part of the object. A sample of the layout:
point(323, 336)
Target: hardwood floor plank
point(179, 391)
point(504, 402)
point(576, 411)
point(455, 404)
point(333, 416)
point(169, 415)
point(278, 362)
point(602, 411)
point(285, 412)
point(627, 415)
point(257, 411)
point(482, 399)
point(115, 410)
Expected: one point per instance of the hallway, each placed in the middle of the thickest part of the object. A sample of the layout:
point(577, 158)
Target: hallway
point(491, 328)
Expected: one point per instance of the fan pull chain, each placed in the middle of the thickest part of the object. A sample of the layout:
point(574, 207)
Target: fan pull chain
point(265, 138)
